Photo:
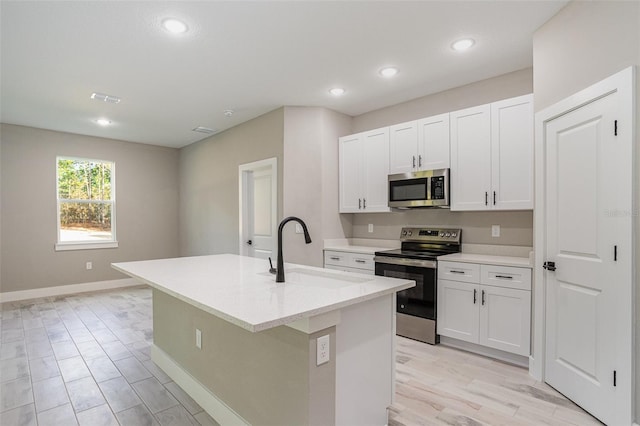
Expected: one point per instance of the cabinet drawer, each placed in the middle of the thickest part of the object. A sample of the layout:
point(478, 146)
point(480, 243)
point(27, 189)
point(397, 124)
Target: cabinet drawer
point(362, 261)
point(336, 258)
point(458, 271)
point(506, 276)
point(349, 260)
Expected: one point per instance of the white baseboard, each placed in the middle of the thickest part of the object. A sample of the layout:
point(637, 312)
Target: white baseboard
point(215, 407)
point(12, 296)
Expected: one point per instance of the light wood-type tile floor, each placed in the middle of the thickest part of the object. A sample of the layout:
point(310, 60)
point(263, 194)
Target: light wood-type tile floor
point(439, 385)
point(85, 359)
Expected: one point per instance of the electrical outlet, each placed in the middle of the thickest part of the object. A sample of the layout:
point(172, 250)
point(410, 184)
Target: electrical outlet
point(198, 339)
point(371, 227)
point(322, 350)
point(298, 228)
point(89, 265)
point(495, 230)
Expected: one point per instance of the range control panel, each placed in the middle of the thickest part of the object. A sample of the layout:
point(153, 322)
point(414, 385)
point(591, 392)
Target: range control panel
point(431, 234)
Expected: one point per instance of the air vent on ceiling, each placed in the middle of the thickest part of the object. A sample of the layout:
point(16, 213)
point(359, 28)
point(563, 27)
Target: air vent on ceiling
point(105, 98)
point(206, 130)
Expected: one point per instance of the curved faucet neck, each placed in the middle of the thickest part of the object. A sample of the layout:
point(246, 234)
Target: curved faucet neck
point(307, 239)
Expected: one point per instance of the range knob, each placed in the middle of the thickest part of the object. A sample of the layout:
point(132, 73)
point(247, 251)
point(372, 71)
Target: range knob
point(404, 233)
point(409, 233)
point(447, 234)
point(442, 234)
point(453, 234)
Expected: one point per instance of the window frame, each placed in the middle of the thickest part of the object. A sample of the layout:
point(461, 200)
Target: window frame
point(86, 245)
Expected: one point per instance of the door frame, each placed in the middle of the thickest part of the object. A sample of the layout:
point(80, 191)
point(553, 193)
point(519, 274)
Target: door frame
point(243, 215)
point(624, 83)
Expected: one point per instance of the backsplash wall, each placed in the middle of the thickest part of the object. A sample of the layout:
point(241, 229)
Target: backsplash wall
point(516, 227)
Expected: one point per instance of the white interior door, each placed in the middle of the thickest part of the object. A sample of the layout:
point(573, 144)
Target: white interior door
point(258, 208)
point(588, 308)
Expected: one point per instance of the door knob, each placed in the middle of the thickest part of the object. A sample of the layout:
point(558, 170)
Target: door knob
point(249, 242)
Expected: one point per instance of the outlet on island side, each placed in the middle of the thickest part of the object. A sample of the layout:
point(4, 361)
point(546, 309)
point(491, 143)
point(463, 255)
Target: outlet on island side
point(198, 338)
point(322, 350)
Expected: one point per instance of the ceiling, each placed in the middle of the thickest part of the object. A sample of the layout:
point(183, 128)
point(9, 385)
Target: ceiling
point(250, 57)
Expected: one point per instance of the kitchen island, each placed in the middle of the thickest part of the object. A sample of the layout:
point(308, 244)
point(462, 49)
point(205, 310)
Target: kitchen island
point(259, 360)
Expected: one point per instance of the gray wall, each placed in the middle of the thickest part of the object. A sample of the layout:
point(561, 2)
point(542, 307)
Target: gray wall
point(269, 378)
point(583, 44)
point(209, 214)
point(311, 180)
point(516, 227)
point(146, 207)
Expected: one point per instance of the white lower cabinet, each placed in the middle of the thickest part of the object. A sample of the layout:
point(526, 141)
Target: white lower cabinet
point(349, 261)
point(492, 309)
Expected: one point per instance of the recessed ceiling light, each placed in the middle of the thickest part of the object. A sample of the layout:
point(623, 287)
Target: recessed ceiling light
point(388, 72)
point(337, 91)
point(463, 44)
point(103, 121)
point(174, 26)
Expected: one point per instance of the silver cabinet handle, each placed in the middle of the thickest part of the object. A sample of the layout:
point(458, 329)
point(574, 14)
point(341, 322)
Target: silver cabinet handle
point(419, 160)
point(494, 198)
point(486, 198)
point(475, 296)
point(359, 203)
point(364, 203)
point(483, 297)
point(506, 277)
point(414, 161)
point(361, 261)
point(334, 258)
point(453, 271)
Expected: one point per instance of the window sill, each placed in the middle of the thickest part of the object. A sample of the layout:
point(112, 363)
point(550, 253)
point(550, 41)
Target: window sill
point(85, 246)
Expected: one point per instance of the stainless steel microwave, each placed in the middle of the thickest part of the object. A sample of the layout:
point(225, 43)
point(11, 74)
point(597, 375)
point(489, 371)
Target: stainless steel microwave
point(428, 188)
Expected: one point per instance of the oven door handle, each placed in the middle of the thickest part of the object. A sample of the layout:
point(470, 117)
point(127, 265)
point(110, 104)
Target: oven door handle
point(431, 264)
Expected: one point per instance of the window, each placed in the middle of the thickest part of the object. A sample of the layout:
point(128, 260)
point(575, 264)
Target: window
point(86, 204)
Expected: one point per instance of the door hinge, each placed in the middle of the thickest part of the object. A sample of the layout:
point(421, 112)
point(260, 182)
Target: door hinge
point(615, 128)
point(614, 378)
point(615, 253)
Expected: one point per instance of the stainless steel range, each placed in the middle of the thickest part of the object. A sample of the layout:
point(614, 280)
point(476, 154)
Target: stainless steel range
point(416, 260)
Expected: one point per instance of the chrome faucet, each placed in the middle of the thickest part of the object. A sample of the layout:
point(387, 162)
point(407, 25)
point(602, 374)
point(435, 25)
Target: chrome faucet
point(307, 239)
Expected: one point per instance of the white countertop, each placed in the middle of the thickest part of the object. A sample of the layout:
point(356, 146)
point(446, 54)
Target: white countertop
point(242, 291)
point(356, 249)
point(522, 262)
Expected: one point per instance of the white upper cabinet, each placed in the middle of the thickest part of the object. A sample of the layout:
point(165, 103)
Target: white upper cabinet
point(364, 166)
point(433, 142)
point(512, 153)
point(492, 156)
point(419, 145)
point(470, 178)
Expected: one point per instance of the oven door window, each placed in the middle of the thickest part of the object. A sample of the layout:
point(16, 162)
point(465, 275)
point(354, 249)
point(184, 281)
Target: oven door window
point(420, 300)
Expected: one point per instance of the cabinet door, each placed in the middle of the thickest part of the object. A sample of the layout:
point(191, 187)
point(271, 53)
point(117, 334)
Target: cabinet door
point(505, 319)
point(512, 153)
point(374, 184)
point(403, 148)
point(433, 142)
point(350, 173)
point(458, 310)
point(471, 158)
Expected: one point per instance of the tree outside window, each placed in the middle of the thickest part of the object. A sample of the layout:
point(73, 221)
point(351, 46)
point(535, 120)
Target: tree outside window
point(86, 201)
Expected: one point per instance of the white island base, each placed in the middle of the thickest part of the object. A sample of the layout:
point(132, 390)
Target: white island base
point(257, 372)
